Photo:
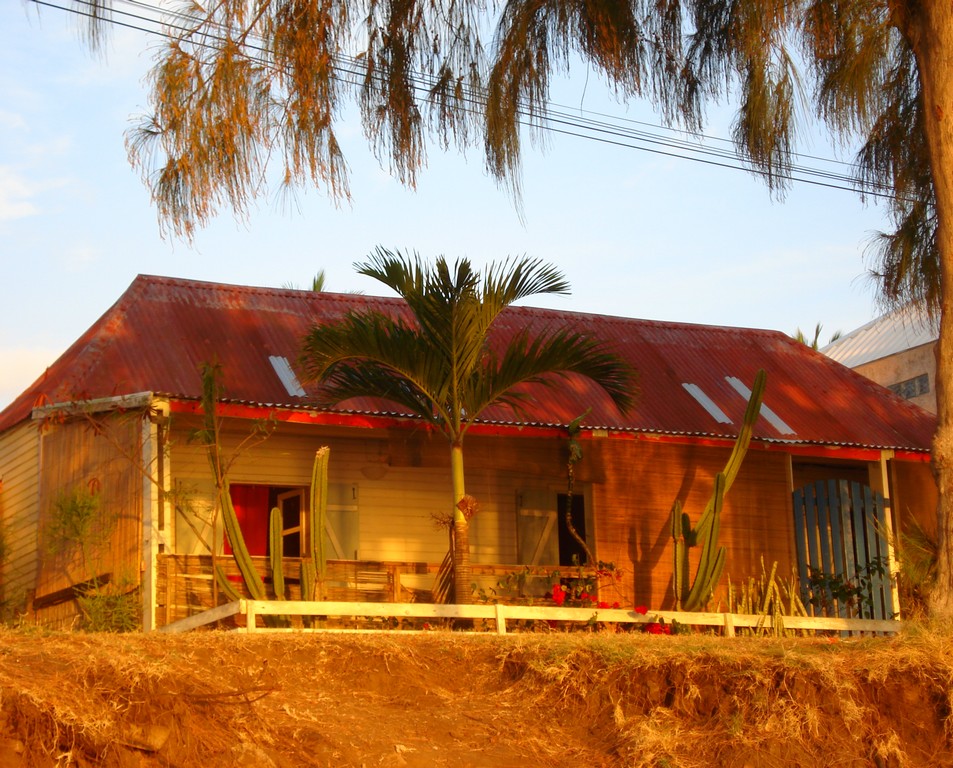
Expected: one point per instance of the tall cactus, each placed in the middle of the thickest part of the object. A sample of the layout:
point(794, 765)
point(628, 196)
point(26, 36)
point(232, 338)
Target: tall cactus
point(313, 566)
point(313, 570)
point(276, 546)
point(233, 531)
point(211, 392)
point(712, 557)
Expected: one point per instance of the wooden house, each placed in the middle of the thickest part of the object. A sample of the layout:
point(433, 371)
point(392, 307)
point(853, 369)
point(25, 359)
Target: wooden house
point(111, 424)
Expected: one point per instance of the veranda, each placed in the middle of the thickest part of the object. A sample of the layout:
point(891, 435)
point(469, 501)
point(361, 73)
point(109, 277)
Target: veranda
point(369, 596)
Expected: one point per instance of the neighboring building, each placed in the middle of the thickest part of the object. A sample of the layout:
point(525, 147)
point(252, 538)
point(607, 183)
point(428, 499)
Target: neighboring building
point(897, 350)
point(116, 414)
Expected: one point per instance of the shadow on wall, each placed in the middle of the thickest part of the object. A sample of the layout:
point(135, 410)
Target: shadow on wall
point(647, 549)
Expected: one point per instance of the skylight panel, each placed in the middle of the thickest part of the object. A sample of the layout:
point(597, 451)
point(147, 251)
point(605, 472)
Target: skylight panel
point(769, 416)
point(707, 403)
point(288, 379)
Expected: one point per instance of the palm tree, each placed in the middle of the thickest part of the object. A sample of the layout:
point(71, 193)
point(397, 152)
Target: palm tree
point(815, 343)
point(440, 363)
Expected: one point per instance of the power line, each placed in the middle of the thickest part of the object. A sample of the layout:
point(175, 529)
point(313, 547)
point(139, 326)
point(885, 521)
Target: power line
point(608, 129)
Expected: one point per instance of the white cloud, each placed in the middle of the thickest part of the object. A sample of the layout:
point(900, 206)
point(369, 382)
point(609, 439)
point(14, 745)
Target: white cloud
point(80, 258)
point(15, 195)
point(18, 193)
point(55, 147)
point(13, 121)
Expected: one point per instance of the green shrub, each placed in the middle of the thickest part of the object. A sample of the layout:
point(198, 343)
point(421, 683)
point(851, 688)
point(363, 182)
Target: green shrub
point(109, 609)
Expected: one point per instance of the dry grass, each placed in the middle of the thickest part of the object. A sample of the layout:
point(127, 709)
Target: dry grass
point(223, 699)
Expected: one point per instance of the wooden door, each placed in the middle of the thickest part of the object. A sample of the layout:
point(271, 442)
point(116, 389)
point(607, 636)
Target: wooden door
point(844, 561)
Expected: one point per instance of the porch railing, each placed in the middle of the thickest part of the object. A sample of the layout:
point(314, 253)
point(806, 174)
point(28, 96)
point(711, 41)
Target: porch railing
point(186, 585)
point(188, 597)
point(250, 614)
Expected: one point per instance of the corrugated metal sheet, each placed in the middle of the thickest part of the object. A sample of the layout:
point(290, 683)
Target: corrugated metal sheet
point(160, 332)
point(889, 334)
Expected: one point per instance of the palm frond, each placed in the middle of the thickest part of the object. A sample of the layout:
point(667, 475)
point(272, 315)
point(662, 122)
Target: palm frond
point(374, 355)
point(399, 272)
point(518, 278)
point(439, 363)
point(543, 359)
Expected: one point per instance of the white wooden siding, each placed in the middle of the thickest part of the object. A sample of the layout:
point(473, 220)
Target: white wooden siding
point(396, 503)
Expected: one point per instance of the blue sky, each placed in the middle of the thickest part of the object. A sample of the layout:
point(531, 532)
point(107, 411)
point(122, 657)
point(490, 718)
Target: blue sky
point(637, 234)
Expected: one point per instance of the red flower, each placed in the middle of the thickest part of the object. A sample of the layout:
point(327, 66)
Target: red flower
point(616, 604)
point(603, 605)
point(559, 594)
point(641, 609)
point(658, 629)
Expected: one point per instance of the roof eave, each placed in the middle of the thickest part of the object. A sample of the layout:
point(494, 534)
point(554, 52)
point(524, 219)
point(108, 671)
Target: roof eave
point(311, 414)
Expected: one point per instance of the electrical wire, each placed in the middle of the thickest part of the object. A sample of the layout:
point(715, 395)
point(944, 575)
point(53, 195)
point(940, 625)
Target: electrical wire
point(558, 119)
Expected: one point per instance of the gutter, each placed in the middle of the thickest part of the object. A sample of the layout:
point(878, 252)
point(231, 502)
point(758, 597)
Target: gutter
point(316, 417)
point(96, 405)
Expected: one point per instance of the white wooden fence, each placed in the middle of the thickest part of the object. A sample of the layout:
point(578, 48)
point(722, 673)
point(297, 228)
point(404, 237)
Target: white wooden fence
point(499, 614)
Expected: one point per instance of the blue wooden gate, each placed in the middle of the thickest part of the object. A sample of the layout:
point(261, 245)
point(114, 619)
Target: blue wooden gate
point(842, 552)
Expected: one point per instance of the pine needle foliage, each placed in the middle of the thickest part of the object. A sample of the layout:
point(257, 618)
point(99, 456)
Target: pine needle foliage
point(243, 85)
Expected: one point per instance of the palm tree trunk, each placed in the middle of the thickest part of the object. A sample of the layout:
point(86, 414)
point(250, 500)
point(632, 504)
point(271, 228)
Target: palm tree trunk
point(931, 35)
point(462, 593)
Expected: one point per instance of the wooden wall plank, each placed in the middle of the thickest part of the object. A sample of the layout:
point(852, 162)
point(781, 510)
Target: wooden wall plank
point(75, 457)
point(19, 499)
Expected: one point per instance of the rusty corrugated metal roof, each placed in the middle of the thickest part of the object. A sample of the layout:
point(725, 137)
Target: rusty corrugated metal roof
point(691, 377)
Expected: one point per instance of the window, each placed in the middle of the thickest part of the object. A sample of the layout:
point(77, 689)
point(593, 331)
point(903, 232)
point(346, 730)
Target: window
point(571, 552)
point(910, 388)
point(543, 538)
point(341, 528)
point(253, 505)
point(292, 505)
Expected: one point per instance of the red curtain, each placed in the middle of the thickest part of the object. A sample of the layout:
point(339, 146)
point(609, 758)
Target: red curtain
point(251, 509)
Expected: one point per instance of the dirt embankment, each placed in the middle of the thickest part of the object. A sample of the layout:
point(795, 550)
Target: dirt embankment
point(445, 699)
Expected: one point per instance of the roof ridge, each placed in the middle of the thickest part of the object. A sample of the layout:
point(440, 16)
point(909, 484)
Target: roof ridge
point(511, 309)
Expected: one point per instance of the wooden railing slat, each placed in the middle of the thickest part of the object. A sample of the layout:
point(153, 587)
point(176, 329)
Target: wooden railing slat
point(500, 613)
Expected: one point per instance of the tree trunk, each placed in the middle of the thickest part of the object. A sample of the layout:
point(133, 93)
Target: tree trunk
point(930, 32)
point(462, 593)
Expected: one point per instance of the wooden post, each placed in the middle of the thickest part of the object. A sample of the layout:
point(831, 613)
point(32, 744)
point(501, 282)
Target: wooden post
point(500, 619)
point(729, 625)
point(170, 592)
point(149, 518)
point(891, 522)
point(395, 583)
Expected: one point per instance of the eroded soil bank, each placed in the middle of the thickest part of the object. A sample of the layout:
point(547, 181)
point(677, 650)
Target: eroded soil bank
point(447, 699)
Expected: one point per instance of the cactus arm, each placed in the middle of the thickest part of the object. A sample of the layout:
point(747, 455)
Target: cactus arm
point(308, 579)
point(233, 531)
point(738, 451)
point(210, 435)
point(314, 565)
point(319, 509)
point(712, 559)
point(276, 547)
point(709, 569)
point(752, 412)
point(680, 576)
point(226, 586)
